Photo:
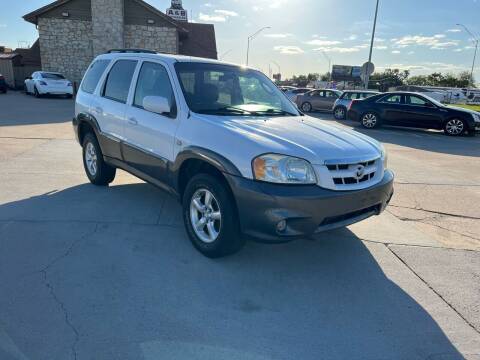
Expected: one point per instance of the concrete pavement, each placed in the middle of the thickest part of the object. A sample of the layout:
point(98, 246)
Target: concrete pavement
point(109, 273)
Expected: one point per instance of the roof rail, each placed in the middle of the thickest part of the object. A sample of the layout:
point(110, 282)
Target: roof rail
point(131, 51)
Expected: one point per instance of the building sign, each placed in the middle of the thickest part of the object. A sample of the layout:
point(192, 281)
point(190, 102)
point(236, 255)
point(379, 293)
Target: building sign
point(346, 73)
point(176, 11)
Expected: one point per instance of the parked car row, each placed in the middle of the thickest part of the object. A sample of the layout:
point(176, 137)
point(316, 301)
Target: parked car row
point(409, 109)
point(48, 83)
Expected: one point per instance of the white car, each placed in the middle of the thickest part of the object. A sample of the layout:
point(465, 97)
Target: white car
point(48, 83)
point(228, 144)
point(292, 94)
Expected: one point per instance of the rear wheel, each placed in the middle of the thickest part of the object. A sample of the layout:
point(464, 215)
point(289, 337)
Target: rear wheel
point(98, 172)
point(454, 127)
point(370, 120)
point(210, 217)
point(339, 113)
point(306, 107)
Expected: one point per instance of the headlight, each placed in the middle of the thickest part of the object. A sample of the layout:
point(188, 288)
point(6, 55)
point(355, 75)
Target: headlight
point(384, 157)
point(476, 117)
point(283, 169)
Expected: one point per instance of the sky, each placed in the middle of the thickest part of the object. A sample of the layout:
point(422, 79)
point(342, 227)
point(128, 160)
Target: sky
point(418, 35)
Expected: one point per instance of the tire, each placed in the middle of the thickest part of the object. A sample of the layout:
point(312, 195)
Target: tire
point(220, 234)
point(36, 93)
point(306, 107)
point(370, 120)
point(98, 172)
point(340, 113)
point(454, 127)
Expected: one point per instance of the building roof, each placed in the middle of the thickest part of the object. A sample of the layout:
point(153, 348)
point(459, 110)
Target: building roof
point(8, 56)
point(33, 16)
point(200, 41)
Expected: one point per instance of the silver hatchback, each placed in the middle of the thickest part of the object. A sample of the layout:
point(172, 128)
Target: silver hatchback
point(343, 102)
point(321, 99)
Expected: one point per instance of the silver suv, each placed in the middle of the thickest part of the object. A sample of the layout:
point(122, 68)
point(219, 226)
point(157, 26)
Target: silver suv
point(343, 102)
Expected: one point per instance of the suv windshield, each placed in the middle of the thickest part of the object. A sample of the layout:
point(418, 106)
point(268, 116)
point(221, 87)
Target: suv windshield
point(219, 89)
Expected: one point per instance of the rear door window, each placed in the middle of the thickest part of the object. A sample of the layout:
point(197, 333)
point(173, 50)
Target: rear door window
point(392, 99)
point(93, 75)
point(118, 81)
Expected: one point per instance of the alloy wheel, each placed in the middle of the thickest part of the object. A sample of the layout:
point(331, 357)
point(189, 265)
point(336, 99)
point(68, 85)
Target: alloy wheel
point(91, 158)
point(205, 215)
point(339, 113)
point(306, 107)
point(369, 120)
point(454, 127)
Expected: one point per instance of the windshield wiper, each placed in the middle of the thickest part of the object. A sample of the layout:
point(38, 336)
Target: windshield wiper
point(228, 110)
point(275, 112)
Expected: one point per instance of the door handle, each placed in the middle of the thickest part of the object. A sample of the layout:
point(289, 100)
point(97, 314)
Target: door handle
point(132, 120)
point(99, 110)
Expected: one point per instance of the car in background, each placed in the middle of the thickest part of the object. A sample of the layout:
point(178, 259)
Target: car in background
point(48, 83)
point(3, 84)
point(343, 102)
point(286, 88)
point(292, 94)
point(321, 99)
point(413, 110)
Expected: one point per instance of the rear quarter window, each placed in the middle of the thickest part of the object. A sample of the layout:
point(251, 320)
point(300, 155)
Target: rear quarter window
point(93, 75)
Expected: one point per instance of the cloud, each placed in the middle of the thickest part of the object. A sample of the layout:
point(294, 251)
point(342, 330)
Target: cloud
point(425, 67)
point(288, 50)
point(318, 42)
point(458, 50)
point(352, 37)
point(380, 47)
point(218, 16)
point(435, 42)
point(342, 50)
point(212, 18)
point(226, 13)
point(362, 46)
point(395, 52)
point(277, 36)
point(453, 30)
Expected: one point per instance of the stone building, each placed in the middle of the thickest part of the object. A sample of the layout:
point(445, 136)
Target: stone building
point(73, 32)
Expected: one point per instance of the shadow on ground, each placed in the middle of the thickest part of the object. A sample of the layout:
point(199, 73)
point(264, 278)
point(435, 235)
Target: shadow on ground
point(76, 283)
point(428, 140)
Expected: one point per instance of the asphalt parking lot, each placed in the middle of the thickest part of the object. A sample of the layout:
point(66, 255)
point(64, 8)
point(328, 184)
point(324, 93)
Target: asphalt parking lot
point(108, 273)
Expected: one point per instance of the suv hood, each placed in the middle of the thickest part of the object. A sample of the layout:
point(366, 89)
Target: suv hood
point(305, 137)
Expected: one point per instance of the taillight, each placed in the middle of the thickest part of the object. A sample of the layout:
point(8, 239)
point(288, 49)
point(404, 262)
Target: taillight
point(351, 103)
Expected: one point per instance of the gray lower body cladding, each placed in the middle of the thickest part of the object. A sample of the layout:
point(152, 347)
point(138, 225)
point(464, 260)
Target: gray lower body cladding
point(307, 209)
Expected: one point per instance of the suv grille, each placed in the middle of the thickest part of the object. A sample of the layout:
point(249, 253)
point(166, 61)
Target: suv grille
point(353, 173)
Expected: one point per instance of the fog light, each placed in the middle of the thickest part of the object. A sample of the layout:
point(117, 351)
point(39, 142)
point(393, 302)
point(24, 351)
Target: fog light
point(281, 226)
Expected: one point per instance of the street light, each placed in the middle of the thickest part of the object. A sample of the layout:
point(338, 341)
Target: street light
point(475, 40)
point(329, 59)
point(253, 36)
point(367, 75)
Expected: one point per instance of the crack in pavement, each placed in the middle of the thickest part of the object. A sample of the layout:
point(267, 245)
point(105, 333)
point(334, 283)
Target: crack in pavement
point(416, 245)
point(436, 184)
point(432, 289)
point(44, 272)
point(436, 212)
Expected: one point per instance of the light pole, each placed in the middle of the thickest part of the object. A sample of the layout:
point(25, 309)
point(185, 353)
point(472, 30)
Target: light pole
point(329, 59)
point(367, 75)
point(475, 41)
point(253, 36)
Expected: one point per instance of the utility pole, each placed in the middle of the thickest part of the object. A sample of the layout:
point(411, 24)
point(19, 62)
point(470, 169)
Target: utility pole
point(253, 36)
point(475, 40)
point(367, 76)
point(329, 59)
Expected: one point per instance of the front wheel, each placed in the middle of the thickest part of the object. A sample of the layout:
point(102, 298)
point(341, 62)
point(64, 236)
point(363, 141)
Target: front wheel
point(210, 217)
point(98, 172)
point(454, 127)
point(370, 120)
point(339, 113)
point(306, 107)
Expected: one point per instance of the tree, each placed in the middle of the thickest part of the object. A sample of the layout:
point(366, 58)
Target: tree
point(388, 78)
point(460, 80)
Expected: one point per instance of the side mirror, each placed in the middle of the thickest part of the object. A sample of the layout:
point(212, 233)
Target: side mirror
point(156, 104)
